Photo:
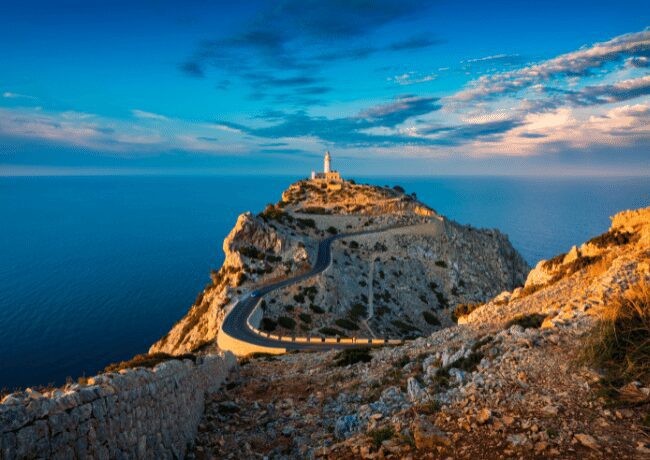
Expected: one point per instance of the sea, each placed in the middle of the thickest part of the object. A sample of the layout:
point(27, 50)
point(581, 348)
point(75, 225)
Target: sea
point(93, 270)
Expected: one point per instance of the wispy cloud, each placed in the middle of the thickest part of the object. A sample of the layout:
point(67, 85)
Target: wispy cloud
point(148, 115)
point(579, 63)
point(12, 95)
point(412, 78)
point(280, 53)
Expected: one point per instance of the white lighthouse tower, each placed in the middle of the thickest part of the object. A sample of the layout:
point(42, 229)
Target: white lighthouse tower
point(328, 174)
point(327, 163)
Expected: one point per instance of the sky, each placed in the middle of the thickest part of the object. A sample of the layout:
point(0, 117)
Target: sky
point(390, 87)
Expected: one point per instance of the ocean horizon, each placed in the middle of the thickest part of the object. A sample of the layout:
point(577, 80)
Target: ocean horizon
point(94, 269)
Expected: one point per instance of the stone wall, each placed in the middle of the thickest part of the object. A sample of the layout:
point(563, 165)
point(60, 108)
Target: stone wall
point(137, 413)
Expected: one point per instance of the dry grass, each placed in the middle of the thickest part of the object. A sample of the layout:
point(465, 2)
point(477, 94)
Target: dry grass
point(148, 360)
point(620, 342)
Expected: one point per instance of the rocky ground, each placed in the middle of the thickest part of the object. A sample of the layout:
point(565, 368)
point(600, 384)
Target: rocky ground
point(527, 396)
point(510, 382)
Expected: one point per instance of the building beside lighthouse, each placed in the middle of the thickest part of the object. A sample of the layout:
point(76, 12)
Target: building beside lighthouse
point(328, 174)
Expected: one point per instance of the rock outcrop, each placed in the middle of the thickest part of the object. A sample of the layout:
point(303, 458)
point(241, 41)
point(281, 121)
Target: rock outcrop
point(399, 283)
point(511, 382)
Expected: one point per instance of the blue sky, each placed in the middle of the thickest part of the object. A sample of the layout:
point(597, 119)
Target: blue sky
point(390, 87)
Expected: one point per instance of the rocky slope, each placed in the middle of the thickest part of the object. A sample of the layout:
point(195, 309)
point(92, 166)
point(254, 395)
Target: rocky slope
point(509, 382)
point(398, 283)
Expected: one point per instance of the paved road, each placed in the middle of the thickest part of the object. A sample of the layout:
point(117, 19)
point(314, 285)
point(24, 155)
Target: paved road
point(235, 324)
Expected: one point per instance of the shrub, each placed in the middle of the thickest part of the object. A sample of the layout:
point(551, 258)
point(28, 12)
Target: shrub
point(555, 261)
point(346, 324)
point(613, 237)
point(252, 252)
point(306, 223)
point(431, 318)
point(305, 317)
point(268, 325)
point(463, 309)
point(315, 210)
point(352, 356)
point(332, 230)
point(316, 309)
point(620, 341)
point(398, 188)
point(380, 435)
point(286, 322)
point(330, 331)
point(442, 300)
point(441, 263)
point(404, 327)
point(273, 213)
point(533, 320)
point(148, 360)
point(358, 311)
point(300, 298)
point(354, 245)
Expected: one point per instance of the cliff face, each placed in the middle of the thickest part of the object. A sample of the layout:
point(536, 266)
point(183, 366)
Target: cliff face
point(585, 279)
point(511, 382)
point(401, 282)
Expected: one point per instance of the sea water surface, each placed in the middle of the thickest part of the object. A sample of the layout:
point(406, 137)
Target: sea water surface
point(95, 269)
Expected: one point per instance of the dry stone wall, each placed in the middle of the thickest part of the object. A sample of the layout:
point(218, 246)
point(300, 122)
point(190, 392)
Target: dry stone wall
point(137, 413)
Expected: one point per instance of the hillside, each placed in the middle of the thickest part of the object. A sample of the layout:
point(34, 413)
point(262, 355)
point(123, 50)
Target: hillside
point(524, 375)
point(402, 282)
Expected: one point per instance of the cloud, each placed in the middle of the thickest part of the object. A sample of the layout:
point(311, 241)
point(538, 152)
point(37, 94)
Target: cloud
point(579, 63)
point(11, 95)
point(412, 78)
point(147, 115)
point(289, 36)
point(354, 130)
point(489, 130)
point(494, 57)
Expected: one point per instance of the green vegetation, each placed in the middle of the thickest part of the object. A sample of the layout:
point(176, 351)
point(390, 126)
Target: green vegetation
point(148, 360)
point(351, 356)
point(554, 261)
point(252, 252)
point(271, 213)
point(354, 245)
point(613, 237)
point(286, 322)
point(315, 210)
point(332, 230)
point(305, 318)
point(358, 311)
point(347, 324)
point(404, 327)
point(620, 341)
point(316, 309)
point(300, 298)
point(330, 331)
point(268, 325)
point(380, 435)
point(533, 321)
point(306, 223)
point(463, 309)
point(431, 318)
point(441, 263)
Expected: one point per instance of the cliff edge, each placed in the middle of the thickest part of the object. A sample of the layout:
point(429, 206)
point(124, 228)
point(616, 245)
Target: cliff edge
point(400, 283)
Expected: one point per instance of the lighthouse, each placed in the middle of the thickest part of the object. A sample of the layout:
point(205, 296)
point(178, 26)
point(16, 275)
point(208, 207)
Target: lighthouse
point(327, 174)
point(327, 163)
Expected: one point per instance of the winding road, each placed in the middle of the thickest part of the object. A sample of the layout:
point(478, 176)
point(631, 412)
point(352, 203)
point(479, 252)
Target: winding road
point(235, 324)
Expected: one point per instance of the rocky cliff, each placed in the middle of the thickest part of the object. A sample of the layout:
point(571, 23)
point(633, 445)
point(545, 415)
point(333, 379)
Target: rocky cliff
point(513, 380)
point(403, 282)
